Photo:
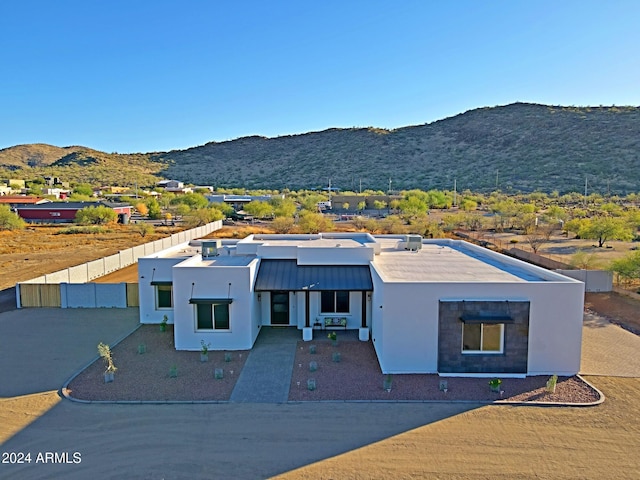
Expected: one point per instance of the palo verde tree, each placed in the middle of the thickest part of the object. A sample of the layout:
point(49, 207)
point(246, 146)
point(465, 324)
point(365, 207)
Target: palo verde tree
point(9, 220)
point(99, 215)
point(603, 229)
point(627, 267)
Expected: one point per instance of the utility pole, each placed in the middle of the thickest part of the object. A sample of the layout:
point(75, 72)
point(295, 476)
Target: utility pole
point(389, 191)
point(455, 181)
point(585, 190)
point(360, 191)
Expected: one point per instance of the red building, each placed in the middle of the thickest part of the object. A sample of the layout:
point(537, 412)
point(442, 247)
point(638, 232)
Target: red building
point(65, 212)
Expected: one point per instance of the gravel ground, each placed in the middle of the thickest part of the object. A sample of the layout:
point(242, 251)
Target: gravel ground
point(146, 376)
point(356, 376)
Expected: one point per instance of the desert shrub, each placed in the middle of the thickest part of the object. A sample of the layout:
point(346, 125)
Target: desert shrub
point(83, 230)
point(9, 220)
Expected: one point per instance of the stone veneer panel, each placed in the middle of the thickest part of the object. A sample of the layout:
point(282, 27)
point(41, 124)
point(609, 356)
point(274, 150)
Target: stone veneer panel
point(516, 338)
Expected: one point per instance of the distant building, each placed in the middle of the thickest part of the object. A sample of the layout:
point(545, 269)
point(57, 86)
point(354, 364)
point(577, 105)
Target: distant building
point(15, 201)
point(239, 201)
point(65, 212)
point(170, 184)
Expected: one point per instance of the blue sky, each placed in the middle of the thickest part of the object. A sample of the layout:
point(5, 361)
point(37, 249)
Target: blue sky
point(142, 76)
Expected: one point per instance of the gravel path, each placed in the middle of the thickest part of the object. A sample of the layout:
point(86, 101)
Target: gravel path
point(356, 376)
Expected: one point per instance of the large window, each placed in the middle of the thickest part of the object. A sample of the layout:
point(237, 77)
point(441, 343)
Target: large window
point(482, 337)
point(212, 316)
point(334, 302)
point(163, 296)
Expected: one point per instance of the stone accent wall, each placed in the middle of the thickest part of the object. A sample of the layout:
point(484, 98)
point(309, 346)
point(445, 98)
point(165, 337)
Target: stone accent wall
point(516, 338)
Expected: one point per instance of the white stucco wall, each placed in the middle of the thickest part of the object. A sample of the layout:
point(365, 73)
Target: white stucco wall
point(192, 279)
point(409, 324)
point(163, 272)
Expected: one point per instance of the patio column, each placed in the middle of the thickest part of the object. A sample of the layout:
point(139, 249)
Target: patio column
point(306, 309)
point(364, 310)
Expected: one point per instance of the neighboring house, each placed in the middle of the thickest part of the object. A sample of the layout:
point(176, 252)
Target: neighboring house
point(59, 193)
point(173, 184)
point(65, 212)
point(434, 306)
point(15, 201)
point(239, 201)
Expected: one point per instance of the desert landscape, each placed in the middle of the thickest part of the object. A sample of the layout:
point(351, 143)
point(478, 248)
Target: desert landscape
point(322, 439)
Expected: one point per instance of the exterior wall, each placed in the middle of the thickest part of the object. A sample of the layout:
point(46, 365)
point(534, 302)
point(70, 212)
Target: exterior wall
point(555, 328)
point(594, 280)
point(406, 337)
point(213, 282)
point(377, 325)
point(163, 272)
point(516, 338)
point(335, 256)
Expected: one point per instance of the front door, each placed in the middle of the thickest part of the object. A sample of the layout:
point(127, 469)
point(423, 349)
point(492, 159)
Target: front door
point(279, 308)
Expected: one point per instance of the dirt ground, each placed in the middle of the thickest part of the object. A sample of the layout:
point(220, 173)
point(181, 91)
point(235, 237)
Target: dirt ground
point(37, 250)
point(318, 440)
point(616, 308)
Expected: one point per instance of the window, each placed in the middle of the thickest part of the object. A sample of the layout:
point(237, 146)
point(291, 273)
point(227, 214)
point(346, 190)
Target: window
point(482, 337)
point(334, 302)
point(163, 296)
point(212, 316)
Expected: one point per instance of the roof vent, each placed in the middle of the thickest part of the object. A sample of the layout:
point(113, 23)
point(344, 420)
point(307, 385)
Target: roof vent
point(210, 248)
point(413, 243)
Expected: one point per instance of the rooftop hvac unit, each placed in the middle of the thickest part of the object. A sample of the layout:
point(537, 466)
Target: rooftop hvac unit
point(414, 243)
point(210, 248)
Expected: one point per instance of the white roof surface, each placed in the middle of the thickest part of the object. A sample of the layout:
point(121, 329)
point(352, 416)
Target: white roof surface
point(436, 263)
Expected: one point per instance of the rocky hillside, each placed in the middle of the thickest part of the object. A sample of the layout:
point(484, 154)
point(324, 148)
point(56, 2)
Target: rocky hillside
point(518, 147)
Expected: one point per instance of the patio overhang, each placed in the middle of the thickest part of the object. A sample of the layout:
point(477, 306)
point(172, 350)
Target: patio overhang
point(211, 301)
point(288, 275)
point(475, 318)
point(162, 283)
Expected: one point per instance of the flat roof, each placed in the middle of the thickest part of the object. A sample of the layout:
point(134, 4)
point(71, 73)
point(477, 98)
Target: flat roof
point(444, 262)
point(311, 243)
point(219, 261)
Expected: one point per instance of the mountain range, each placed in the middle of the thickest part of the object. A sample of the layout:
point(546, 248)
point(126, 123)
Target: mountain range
point(521, 147)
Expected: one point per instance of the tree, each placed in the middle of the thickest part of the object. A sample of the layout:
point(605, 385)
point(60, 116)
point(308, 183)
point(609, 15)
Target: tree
point(143, 229)
point(259, 209)
point(361, 206)
point(283, 207)
point(193, 200)
point(603, 229)
point(584, 260)
point(311, 222)
point(627, 267)
point(83, 189)
point(202, 216)
point(142, 209)
point(9, 220)
point(346, 205)
point(96, 215)
point(282, 224)
point(380, 205)
point(153, 207)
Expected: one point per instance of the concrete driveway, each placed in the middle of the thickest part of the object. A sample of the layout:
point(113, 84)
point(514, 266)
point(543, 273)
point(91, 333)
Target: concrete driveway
point(608, 349)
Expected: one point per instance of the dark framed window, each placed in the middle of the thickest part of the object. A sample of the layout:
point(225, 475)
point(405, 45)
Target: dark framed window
point(333, 301)
point(164, 294)
point(212, 316)
point(482, 337)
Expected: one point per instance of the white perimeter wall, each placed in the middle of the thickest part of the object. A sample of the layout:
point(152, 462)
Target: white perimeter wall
point(406, 335)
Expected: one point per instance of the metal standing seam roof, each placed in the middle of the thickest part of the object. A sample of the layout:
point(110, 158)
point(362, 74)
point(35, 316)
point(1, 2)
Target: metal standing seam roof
point(288, 275)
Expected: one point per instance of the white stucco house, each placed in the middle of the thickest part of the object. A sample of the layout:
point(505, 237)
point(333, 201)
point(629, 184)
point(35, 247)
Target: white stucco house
point(428, 306)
